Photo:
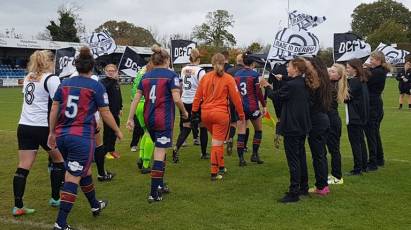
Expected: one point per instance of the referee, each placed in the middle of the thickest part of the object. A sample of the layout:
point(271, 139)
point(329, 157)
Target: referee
point(111, 83)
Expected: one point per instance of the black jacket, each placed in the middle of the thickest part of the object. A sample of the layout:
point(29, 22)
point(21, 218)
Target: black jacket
point(114, 95)
point(295, 112)
point(404, 79)
point(278, 69)
point(376, 83)
point(334, 103)
point(358, 103)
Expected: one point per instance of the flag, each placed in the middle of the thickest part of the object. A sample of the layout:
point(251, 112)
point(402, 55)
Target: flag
point(289, 44)
point(131, 62)
point(303, 21)
point(269, 120)
point(64, 62)
point(348, 46)
point(181, 50)
point(101, 44)
point(392, 55)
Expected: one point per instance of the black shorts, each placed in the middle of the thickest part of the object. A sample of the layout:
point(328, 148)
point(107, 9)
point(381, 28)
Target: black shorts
point(404, 89)
point(31, 137)
point(189, 108)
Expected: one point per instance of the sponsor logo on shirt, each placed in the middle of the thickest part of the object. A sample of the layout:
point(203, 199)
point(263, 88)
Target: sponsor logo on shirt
point(105, 96)
point(74, 166)
point(163, 140)
point(176, 81)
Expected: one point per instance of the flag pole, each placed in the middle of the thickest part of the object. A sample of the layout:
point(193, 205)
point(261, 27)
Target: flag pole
point(171, 55)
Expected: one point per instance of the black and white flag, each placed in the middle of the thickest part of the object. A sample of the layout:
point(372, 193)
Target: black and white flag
point(348, 46)
point(101, 44)
point(289, 44)
point(131, 62)
point(302, 21)
point(392, 55)
point(64, 65)
point(181, 50)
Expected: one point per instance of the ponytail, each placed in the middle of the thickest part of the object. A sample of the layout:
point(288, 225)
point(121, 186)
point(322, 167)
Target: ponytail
point(342, 84)
point(218, 61)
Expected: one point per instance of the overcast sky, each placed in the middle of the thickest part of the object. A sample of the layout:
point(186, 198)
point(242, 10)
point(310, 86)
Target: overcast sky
point(255, 20)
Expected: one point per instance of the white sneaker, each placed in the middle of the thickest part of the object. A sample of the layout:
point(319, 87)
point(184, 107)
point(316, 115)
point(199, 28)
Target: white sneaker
point(334, 180)
point(134, 149)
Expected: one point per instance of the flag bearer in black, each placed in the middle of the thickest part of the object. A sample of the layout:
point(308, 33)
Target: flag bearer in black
point(376, 83)
point(320, 103)
point(404, 83)
point(357, 114)
point(295, 124)
point(111, 83)
point(338, 78)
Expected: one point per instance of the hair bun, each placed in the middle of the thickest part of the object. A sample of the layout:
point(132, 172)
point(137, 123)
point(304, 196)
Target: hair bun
point(156, 48)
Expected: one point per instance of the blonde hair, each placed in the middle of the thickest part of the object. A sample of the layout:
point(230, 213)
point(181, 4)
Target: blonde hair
point(381, 57)
point(342, 85)
point(195, 55)
point(110, 65)
point(41, 62)
point(159, 56)
point(218, 61)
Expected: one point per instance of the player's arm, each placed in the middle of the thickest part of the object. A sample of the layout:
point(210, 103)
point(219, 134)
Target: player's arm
point(197, 98)
point(261, 97)
point(235, 98)
point(133, 106)
point(179, 102)
point(51, 142)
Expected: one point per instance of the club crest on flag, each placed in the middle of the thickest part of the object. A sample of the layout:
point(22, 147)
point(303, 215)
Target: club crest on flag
point(101, 44)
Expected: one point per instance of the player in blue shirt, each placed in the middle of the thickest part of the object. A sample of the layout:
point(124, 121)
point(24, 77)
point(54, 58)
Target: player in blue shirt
point(161, 90)
point(72, 129)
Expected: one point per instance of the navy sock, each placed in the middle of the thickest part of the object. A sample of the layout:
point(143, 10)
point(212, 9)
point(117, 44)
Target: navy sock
point(240, 145)
point(257, 141)
point(19, 185)
point(157, 174)
point(87, 187)
point(68, 197)
point(247, 134)
point(57, 173)
point(203, 140)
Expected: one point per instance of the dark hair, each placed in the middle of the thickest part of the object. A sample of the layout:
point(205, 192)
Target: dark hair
point(247, 60)
point(84, 61)
point(159, 56)
point(226, 54)
point(361, 72)
point(324, 90)
point(408, 58)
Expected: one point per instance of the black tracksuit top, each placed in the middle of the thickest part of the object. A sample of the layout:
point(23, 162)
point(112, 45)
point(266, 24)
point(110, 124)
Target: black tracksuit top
point(114, 95)
point(358, 103)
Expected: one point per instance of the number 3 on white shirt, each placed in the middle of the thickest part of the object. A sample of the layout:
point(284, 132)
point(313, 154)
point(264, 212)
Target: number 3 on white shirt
point(72, 103)
point(152, 95)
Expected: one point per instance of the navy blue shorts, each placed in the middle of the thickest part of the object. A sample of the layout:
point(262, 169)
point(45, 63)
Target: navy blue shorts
point(77, 152)
point(163, 138)
point(252, 115)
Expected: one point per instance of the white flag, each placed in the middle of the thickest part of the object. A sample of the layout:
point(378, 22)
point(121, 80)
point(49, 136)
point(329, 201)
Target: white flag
point(392, 55)
point(101, 44)
point(302, 21)
point(289, 44)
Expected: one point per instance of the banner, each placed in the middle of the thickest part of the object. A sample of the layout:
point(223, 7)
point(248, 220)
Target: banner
point(303, 21)
point(101, 44)
point(392, 55)
point(131, 62)
point(64, 65)
point(348, 46)
point(289, 44)
point(181, 50)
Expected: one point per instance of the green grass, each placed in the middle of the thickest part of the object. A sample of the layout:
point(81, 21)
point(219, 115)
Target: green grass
point(245, 199)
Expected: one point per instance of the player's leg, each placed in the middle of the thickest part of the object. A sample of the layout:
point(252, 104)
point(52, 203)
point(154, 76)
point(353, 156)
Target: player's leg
point(203, 141)
point(27, 155)
point(57, 172)
point(148, 151)
point(400, 100)
point(258, 133)
point(100, 158)
point(241, 126)
point(184, 132)
point(220, 133)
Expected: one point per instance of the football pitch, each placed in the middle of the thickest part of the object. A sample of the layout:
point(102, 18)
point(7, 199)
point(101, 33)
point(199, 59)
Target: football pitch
point(245, 199)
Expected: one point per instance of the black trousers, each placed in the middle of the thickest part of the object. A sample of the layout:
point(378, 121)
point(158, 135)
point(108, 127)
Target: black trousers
point(358, 147)
point(372, 132)
point(333, 144)
point(138, 132)
point(297, 163)
point(109, 136)
point(317, 141)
